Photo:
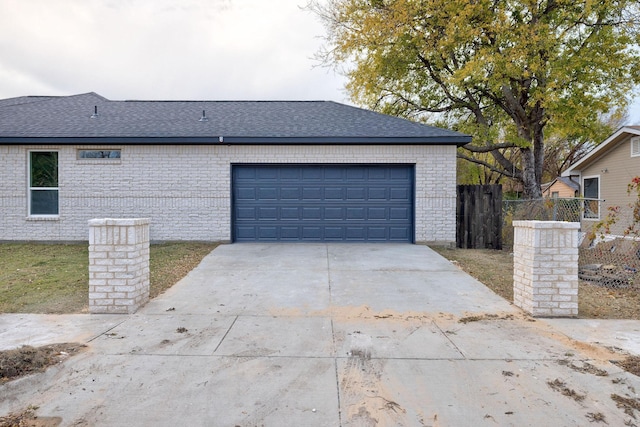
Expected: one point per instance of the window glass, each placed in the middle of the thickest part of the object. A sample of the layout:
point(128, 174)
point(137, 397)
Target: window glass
point(591, 191)
point(98, 154)
point(635, 146)
point(44, 202)
point(43, 183)
point(44, 169)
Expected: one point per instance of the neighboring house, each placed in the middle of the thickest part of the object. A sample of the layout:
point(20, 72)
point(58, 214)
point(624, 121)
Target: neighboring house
point(224, 170)
point(604, 174)
point(561, 187)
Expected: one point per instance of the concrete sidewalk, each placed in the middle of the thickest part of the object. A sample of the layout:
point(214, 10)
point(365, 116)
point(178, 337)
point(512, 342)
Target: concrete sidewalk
point(323, 335)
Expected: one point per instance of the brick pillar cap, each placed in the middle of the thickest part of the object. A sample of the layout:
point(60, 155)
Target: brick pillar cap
point(122, 222)
point(547, 224)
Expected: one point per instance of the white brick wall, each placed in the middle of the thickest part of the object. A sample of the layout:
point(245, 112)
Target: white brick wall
point(185, 189)
point(118, 265)
point(545, 268)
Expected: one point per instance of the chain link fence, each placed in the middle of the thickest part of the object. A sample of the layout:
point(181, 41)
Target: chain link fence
point(610, 261)
point(549, 209)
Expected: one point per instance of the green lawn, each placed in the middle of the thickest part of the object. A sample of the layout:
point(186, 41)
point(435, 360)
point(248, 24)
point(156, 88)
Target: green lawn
point(53, 278)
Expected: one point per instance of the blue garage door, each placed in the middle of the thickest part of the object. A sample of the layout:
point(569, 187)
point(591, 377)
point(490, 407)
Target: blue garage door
point(322, 203)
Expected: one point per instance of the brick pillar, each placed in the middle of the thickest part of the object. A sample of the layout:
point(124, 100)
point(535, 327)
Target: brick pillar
point(545, 268)
point(118, 265)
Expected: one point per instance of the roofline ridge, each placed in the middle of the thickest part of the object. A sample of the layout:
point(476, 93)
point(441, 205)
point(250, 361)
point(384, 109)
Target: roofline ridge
point(229, 100)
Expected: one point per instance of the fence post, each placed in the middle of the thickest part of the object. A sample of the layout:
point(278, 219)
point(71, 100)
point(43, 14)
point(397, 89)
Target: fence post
point(545, 268)
point(118, 265)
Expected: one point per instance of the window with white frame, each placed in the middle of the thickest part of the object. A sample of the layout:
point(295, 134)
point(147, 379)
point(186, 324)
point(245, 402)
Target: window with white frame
point(635, 146)
point(43, 183)
point(591, 193)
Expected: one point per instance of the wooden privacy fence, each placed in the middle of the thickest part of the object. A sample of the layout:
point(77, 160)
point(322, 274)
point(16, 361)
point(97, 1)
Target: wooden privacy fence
point(479, 217)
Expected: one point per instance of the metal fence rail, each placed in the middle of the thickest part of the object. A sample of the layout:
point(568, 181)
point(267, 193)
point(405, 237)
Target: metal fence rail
point(547, 209)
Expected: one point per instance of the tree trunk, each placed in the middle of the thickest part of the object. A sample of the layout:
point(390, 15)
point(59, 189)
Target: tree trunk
point(530, 182)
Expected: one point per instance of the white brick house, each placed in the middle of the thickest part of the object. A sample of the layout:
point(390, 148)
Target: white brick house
point(223, 171)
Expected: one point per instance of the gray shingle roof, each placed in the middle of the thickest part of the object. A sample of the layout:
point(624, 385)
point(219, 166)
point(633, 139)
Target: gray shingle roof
point(67, 119)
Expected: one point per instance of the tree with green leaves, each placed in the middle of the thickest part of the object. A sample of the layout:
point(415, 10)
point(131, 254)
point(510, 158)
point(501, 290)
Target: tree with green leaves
point(505, 71)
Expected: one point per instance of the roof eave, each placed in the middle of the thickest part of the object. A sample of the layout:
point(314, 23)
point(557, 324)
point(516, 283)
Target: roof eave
point(457, 140)
point(575, 169)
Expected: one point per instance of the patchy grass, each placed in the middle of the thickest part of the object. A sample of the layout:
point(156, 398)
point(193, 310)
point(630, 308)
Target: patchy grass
point(43, 278)
point(495, 270)
point(170, 262)
point(53, 278)
point(491, 267)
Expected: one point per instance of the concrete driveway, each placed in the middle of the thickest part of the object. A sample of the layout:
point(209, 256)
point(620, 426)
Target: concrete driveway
point(324, 335)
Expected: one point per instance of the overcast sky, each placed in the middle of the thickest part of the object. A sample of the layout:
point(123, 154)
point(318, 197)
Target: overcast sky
point(163, 49)
point(166, 49)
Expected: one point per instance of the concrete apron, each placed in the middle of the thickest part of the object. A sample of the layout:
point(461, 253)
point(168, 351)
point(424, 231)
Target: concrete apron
point(325, 335)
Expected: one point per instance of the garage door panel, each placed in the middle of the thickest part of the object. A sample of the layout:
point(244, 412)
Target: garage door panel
point(245, 233)
point(400, 194)
point(267, 193)
point(377, 213)
point(312, 174)
point(357, 193)
point(377, 194)
point(322, 203)
point(245, 173)
point(399, 234)
point(402, 174)
point(311, 233)
point(333, 213)
point(267, 213)
point(334, 173)
point(377, 174)
point(399, 213)
point(313, 213)
point(291, 193)
point(268, 233)
point(246, 213)
point(333, 233)
point(290, 174)
point(267, 173)
point(334, 193)
point(377, 233)
point(356, 213)
point(244, 193)
point(312, 193)
point(290, 233)
point(355, 174)
point(289, 213)
point(355, 233)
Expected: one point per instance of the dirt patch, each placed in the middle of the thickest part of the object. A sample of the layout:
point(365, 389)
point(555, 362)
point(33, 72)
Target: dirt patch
point(631, 364)
point(628, 404)
point(470, 319)
point(560, 386)
point(596, 417)
point(367, 400)
point(586, 368)
point(28, 418)
point(26, 360)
